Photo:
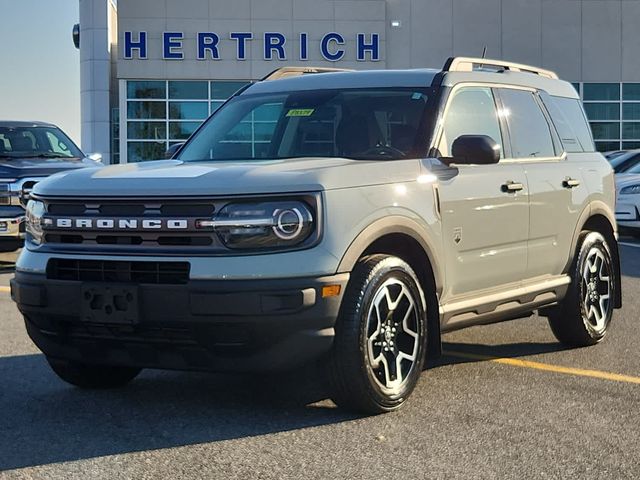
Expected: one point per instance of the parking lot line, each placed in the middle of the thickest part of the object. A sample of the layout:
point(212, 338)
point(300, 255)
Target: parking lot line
point(5, 289)
point(516, 362)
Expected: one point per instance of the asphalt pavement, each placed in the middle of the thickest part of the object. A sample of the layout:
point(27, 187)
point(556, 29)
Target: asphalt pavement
point(534, 412)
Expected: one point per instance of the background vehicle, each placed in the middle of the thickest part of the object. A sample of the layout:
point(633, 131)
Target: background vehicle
point(628, 203)
point(364, 214)
point(29, 152)
point(626, 161)
point(613, 154)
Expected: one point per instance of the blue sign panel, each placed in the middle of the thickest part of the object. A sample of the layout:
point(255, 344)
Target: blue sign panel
point(332, 46)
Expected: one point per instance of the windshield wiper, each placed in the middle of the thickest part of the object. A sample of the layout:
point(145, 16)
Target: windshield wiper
point(49, 155)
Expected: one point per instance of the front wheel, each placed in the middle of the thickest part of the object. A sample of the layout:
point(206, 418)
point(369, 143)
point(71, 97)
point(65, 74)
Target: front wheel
point(585, 314)
point(92, 376)
point(380, 342)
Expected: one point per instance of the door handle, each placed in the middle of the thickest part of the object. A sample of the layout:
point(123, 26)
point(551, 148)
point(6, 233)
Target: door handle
point(512, 187)
point(571, 183)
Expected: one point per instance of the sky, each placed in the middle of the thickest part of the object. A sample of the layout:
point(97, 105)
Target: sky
point(39, 65)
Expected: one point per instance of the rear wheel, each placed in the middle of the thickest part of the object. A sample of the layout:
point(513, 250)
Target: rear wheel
point(92, 376)
point(380, 342)
point(585, 314)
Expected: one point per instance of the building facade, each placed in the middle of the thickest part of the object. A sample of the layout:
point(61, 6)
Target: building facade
point(152, 70)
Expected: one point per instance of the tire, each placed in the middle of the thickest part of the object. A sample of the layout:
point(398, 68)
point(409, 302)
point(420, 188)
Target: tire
point(382, 325)
point(92, 376)
point(584, 316)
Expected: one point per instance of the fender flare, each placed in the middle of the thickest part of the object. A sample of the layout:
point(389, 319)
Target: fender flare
point(394, 224)
point(598, 207)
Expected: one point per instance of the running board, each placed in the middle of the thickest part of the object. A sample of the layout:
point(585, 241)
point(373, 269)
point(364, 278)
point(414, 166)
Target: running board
point(504, 305)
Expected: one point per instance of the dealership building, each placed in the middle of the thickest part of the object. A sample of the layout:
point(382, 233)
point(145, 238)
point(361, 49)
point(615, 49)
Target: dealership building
point(153, 70)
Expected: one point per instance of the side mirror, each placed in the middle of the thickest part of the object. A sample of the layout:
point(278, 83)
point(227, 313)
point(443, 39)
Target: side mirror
point(173, 149)
point(475, 150)
point(96, 157)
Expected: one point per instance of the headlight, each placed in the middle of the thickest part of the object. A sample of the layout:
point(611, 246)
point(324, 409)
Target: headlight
point(630, 190)
point(263, 225)
point(34, 212)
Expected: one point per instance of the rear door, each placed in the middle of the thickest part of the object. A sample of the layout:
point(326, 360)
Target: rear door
point(556, 192)
point(485, 208)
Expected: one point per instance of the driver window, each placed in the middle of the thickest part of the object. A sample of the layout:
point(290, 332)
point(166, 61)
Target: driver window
point(472, 111)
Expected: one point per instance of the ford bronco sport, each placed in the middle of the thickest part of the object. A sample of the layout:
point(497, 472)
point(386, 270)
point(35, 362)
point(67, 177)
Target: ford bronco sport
point(350, 217)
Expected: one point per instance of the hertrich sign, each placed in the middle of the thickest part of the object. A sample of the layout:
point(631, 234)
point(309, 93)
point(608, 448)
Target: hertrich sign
point(275, 46)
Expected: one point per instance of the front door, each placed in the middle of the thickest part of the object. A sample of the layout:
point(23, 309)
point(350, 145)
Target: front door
point(484, 208)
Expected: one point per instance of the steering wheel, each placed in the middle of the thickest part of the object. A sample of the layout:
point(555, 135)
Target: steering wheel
point(386, 150)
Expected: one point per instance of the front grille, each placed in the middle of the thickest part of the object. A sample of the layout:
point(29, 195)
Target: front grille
point(162, 273)
point(133, 239)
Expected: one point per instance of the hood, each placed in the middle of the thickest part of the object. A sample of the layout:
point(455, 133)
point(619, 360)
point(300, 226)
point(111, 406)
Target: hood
point(626, 179)
point(39, 167)
point(177, 178)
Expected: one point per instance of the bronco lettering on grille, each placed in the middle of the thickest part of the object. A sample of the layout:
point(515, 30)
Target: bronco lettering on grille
point(118, 224)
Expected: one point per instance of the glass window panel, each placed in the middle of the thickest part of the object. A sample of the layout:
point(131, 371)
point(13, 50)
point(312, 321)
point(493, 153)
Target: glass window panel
point(143, 151)
point(187, 90)
point(269, 112)
point(602, 111)
point(631, 130)
point(216, 105)
point(576, 86)
point(607, 146)
point(182, 130)
point(240, 133)
point(608, 130)
point(630, 145)
point(263, 131)
point(223, 90)
point(146, 89)
point(631, 91)
point(188, 110)
point(529, 130)
point(146, 130)
point(472, 111)
point(144, 110)
point(573, 112)
point(601, 91)
point(631, 111)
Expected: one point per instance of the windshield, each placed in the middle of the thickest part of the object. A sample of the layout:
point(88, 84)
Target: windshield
point(33, 141)
point(626, 162)
point(353, 123)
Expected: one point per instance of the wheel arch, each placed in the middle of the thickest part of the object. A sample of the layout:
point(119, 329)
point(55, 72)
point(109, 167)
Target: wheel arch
point(404, 238)
point(600, 218)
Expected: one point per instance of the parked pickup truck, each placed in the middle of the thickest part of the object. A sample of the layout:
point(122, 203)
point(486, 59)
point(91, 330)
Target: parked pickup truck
point(29, 152)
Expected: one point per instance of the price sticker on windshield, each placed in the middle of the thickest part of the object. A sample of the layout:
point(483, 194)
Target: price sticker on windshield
point(300, 112)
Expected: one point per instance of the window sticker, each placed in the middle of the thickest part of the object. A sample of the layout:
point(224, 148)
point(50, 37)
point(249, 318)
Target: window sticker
point(300, 112)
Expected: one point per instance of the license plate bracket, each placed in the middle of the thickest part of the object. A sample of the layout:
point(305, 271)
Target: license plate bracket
point(110, 304)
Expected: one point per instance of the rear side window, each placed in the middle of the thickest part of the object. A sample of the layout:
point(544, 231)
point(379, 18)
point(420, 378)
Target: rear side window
point(571, 123)
point(528, 127)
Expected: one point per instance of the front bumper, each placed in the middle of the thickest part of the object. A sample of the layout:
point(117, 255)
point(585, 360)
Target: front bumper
point(218, 325)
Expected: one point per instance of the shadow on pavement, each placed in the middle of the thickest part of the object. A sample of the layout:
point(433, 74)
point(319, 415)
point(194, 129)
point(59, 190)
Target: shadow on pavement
point(510, 350)
point(43, 420)
point(630, 260)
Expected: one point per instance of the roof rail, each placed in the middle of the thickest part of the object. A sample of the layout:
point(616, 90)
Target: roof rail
point(286, 72)
point(468, 64)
